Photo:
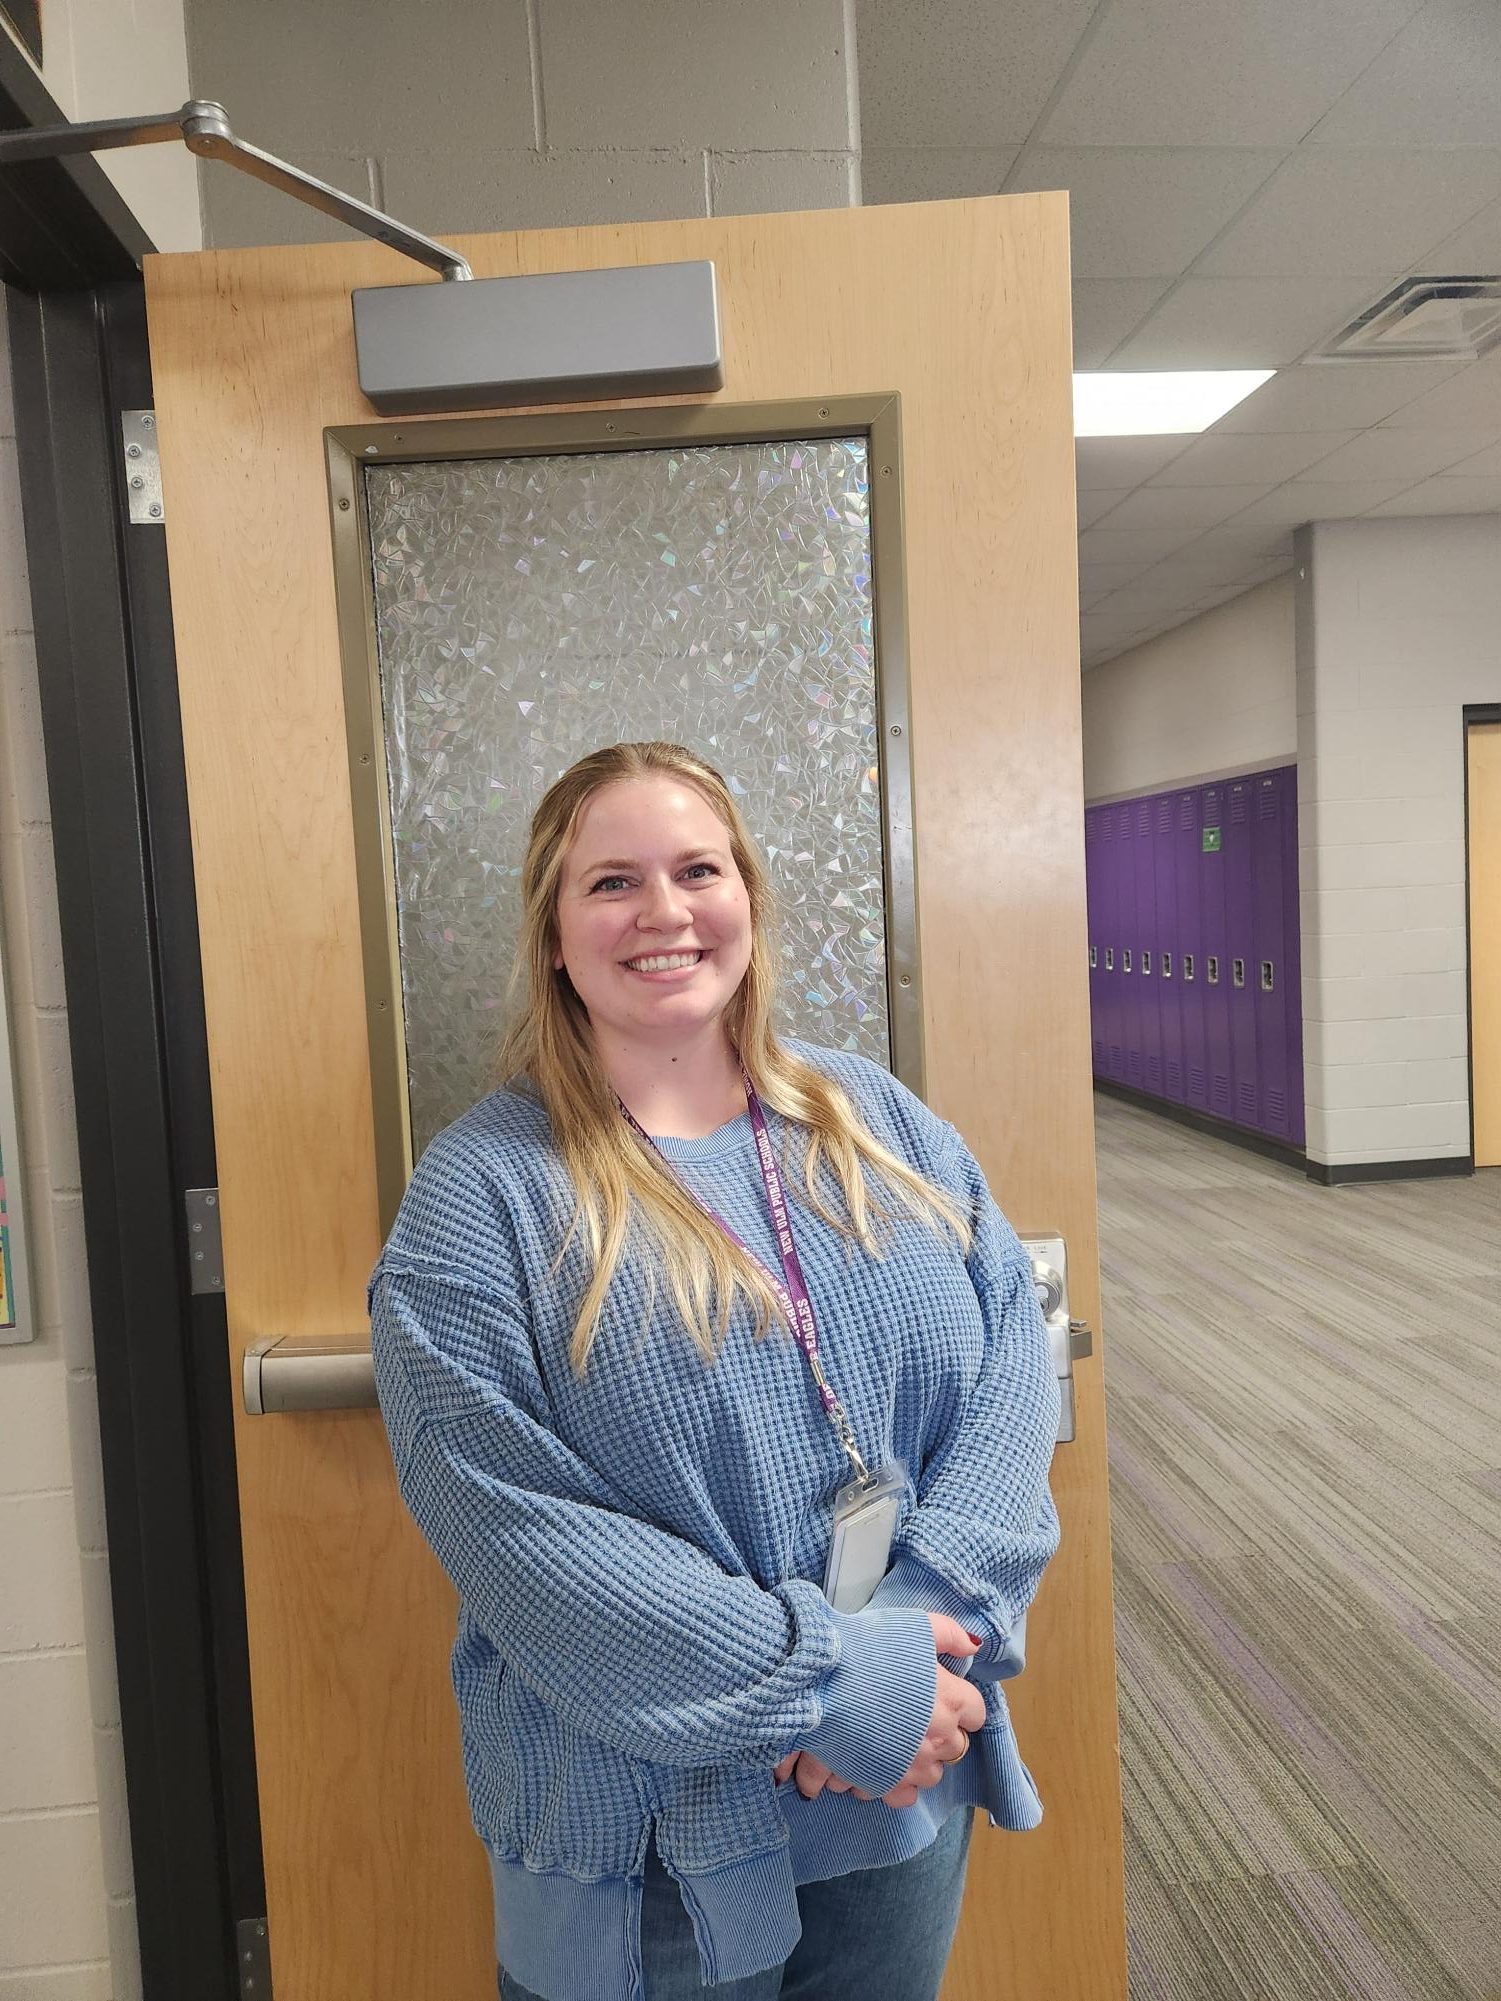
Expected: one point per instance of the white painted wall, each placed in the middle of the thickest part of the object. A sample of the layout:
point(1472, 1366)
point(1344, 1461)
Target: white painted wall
point(122, 58)
point(512, 117)
point(1399, 626)
point(67, 1901)
point(1210, 699)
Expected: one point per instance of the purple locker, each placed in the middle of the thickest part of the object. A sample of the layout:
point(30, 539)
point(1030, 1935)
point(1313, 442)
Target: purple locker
point(1216, 967)
point(1269, 944)
point(1189, 972)
point(1093, 895)
point(1292, 949)
point(1144, 949)
point(1126, 948)
point(1240, 913)
point(1099, 929)
point(1165, 969)
point(1115, 1061)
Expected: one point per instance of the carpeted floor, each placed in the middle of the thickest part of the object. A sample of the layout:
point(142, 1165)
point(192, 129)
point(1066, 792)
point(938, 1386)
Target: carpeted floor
point(1304, 1393)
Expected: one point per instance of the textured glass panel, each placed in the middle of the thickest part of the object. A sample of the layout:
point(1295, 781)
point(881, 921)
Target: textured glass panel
point(529, 610)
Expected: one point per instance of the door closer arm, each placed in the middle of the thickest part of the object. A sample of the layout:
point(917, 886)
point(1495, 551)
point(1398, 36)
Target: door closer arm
point(204, 128)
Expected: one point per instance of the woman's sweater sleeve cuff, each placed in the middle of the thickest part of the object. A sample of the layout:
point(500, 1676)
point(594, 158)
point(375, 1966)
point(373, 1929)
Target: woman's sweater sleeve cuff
point(1003, 1652)
point(878, 1697)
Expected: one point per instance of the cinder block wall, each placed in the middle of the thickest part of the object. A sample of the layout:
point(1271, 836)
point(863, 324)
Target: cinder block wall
point(67, 1902)
point(1399, 625)
point(530, 114)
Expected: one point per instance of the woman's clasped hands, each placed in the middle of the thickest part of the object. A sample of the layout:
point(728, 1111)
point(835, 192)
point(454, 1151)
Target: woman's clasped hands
point(958, 1710)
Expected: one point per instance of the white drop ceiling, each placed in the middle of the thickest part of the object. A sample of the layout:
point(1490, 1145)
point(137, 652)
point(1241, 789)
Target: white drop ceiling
point(1246, 176)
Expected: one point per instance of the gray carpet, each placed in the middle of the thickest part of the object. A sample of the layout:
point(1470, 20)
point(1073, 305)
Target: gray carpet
point(1304, 1390)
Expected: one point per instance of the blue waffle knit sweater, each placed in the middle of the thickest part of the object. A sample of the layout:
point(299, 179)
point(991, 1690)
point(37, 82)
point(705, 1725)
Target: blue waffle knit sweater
point(639, 1556)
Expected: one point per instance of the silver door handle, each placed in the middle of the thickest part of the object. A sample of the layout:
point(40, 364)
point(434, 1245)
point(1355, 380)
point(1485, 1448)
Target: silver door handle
point(1069, 1340)
point(283, 1374)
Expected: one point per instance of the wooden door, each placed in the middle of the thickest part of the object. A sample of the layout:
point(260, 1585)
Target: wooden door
point(1483, 754)
point(377, 1889)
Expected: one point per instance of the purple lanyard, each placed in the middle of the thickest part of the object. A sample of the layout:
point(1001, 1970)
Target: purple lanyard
point(791, 1288)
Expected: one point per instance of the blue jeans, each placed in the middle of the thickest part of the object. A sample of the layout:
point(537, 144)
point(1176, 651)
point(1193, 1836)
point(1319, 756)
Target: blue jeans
point(874, 1935)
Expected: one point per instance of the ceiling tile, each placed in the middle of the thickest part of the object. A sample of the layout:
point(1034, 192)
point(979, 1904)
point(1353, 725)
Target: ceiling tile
point(1123, 462)
point(1245, 322)
point(1216, 73)
point(1437, 83)
point(1472, 397)
point(1108, 576)
point(1182, 506)
point(932, 173)
point(1106, 310)
point(1303, 500)
point(1447, 494)
point(1413, 455)
point(1470, 252)
point(1484, 464)
point(1251, 459)
point(1143, 212)
point(1331, 213)
point(1125, 545)
point(1093, 505)
point(1241, 542)
point(978, 69)
point(1333, 396)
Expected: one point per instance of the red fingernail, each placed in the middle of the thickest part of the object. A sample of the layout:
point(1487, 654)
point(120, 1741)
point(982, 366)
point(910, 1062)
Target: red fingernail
point(977, 1640)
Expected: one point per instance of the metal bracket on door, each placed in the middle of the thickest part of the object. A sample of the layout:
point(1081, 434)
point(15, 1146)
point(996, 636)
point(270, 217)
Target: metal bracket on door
point(253, 1951)
point(143, 466)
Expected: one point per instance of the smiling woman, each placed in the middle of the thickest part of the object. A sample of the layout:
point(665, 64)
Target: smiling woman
point(638, 1534)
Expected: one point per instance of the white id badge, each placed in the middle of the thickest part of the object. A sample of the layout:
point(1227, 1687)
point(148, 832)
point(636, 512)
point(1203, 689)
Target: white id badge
point(864, 1522)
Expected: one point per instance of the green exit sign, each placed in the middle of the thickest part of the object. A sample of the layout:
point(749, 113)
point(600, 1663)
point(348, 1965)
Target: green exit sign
point(1211, 840)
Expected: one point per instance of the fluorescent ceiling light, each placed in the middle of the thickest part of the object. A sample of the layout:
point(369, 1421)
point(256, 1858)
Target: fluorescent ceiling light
point(1144, 406)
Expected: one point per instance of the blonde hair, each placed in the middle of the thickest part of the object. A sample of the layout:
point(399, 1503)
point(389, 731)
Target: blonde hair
point(549, 1050)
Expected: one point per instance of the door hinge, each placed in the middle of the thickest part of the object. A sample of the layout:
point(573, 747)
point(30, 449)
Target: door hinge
point(253, 1949)
point(205, 1244)
point(143, 466)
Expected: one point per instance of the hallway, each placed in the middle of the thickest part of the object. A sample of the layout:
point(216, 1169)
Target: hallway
point(1304, 1392)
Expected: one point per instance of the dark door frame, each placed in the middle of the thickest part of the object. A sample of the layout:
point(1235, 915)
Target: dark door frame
point(70, 257)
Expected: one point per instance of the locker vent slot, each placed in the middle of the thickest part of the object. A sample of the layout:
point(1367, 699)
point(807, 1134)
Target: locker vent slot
point(1276, 1108)
point(1175, 1080)
point(1115, 1059)
point(1267, 805)
point(1165, 816)
point(1186, 807)
point(1221, 1100)
point(1248, 1103)
point(1133, 1066)
point(1154, 1073)
point(1238, 805)
point(1196, 1083)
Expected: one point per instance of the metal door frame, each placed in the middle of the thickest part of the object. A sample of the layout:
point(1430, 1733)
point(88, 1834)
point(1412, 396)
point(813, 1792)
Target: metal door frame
point(70, 254)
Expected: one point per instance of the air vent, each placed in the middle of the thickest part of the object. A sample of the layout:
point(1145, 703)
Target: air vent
point(1446, 319)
